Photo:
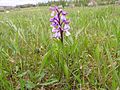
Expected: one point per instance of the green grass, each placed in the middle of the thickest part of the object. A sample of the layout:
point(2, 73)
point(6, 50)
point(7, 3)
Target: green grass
point(88, 60)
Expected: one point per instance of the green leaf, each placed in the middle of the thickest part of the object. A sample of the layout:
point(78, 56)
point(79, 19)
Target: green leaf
point(39, 76)
point(77, 77)
point(49, 82)
point(66, 71)
point(22, 84)
point(45, 60)
point(115, 74)
point(30, 85)
point(97, 52)
point(23, 74)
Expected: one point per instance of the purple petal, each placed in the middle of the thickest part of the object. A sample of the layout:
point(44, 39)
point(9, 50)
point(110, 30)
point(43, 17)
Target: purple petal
point(54, 30)
point(54, 8)
point(66, 27)
point(60, 11)
point(64, 13)
point(52, 19)
point(56, 35)
point(63, 18)
point(56, 17)
point(67, 21)
point(54, 24)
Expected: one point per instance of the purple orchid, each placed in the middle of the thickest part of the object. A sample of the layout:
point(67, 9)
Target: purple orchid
point(59, 23)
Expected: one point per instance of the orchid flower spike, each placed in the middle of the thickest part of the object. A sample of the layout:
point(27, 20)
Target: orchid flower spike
point(59, 23)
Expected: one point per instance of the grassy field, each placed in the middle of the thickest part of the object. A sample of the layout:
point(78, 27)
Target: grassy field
point(89, 59)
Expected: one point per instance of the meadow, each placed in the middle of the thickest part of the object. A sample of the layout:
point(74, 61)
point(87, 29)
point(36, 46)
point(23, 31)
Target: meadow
point(89, 59)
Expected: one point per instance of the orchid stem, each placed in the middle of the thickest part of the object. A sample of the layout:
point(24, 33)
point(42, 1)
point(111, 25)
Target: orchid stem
point(61, 37)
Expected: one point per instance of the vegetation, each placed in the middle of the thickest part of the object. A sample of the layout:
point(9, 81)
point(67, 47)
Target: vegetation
point(88, 60)
point(77, 2)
